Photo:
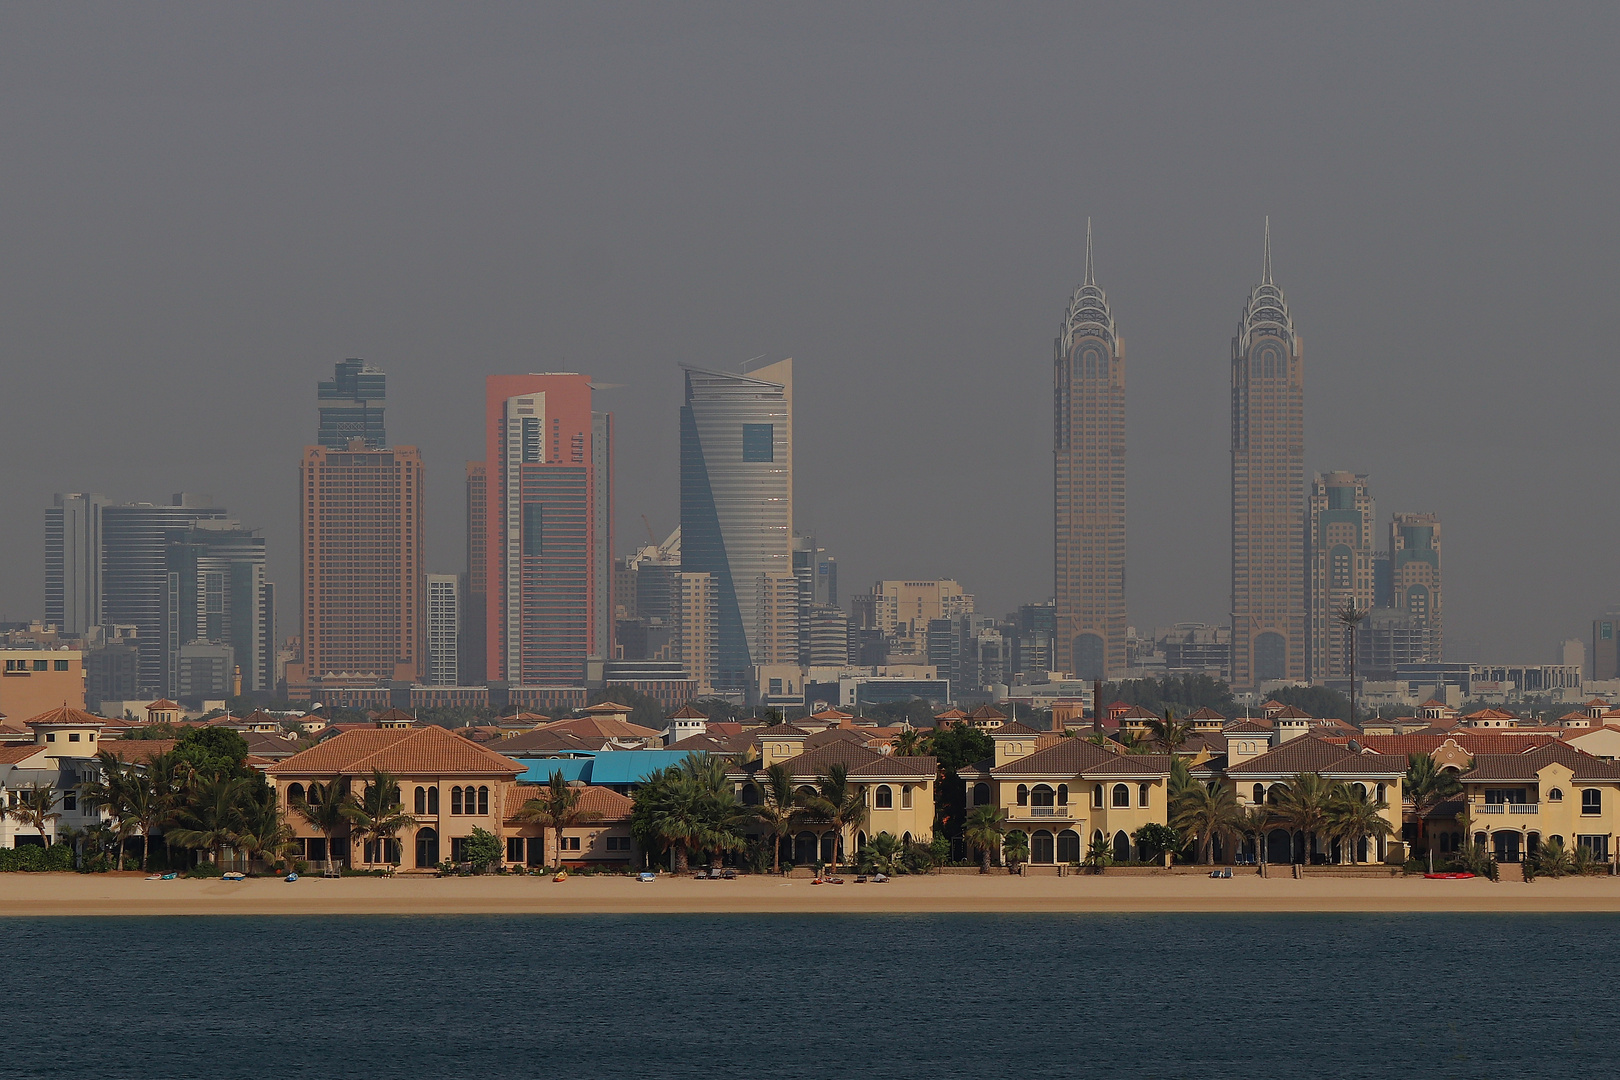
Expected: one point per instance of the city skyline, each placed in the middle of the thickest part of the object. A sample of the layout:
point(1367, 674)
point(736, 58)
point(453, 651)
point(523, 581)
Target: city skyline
point(199, 289)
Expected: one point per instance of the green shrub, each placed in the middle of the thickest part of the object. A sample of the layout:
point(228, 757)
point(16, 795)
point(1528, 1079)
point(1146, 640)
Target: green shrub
point(205, 870)
point(33, 859)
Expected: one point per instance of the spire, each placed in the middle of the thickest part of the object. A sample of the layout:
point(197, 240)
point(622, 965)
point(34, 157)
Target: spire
point(1265, 262)
point(1090, 277)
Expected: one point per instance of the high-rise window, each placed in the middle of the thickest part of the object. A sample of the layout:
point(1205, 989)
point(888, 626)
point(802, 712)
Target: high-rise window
point(759, 442)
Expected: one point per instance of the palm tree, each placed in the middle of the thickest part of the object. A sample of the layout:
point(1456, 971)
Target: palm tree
point(1254, 821)
point(36, 808)
point(839, 802)
point(779, 809)
point(1170, 733)
point(556, 809)
point(910, 743)
point(1131, 742)
point(265, 833)
point(983, 831)
point(880, 853)
point(1206, 811)
point(166, 782)
point(1016, 847)
point(214, 816)
point(1303, 805)
point(1099, 854)
point(723, 815)
point(1352, 817)
point(1350, 617)
point(327, 809)
point(379, 812)
point(1427, 786)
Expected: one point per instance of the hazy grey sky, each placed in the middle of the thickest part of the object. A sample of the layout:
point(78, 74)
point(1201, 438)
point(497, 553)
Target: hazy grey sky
point(206, 206)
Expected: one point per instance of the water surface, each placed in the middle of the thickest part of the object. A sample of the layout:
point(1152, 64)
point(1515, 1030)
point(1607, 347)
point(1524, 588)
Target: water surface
point(936, 996)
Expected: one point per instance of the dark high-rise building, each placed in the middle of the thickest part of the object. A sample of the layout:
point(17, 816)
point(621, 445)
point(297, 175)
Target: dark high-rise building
point(217, 594)
point(1089, 475)
point(1268, 489)
point(73, 562)
point(352, 406)
point(1414, 558)
point(1340, 566)
point(473, 664)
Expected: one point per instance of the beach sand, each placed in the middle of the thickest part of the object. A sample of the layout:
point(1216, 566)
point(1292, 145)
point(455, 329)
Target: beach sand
point(106, 894)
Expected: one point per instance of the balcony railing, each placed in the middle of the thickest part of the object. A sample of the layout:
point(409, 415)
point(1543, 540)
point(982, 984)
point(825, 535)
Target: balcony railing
point(1065, 813)
point(1508, 808)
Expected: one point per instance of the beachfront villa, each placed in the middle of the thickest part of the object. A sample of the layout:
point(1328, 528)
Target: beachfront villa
point(61, 757)
point(1514, 803)
point(1259, 771)
point(1067, 793)
point(898, 791)
point(601, 836)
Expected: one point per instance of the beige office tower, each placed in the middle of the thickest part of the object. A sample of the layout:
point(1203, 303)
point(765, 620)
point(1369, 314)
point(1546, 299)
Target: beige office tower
point(1340, 565)
point(907, 607)
point(1268, 490)
point(1414, 569)
point(695, 633)
point(1089, 486)
point(777, 612)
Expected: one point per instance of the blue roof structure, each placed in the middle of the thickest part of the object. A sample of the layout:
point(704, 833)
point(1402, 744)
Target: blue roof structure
point(609, 768)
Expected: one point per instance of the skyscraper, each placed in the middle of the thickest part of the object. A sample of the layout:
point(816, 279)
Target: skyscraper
point(217, 594)
point(73, 562)
point(737, 501)
point(364, 614)
point(547, 485)
point(352, 406)
point(1268, 489)
point(1089, 484)
point(1340, 563)
point(473, 669)
point(1414, 556)
point(444, 616)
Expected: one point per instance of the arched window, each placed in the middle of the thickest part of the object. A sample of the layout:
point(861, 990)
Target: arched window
point(1591, 801)
point(1097, 795)
point(750, 795)
point(421, 800)
point(1023, 795)
point(1063, 795)
point(1361, 789)
point(1043, 795)
point(1144, 792)
point(1068, 846)
point(883, 798)
point(1555, 795)
point(433, 800)
point(905, 797)
point(1122, 795)
point(1380, 790)
point(295, 793)
point(483, 800)
point(1259, 793)
point(455, 800)
point(981, 794)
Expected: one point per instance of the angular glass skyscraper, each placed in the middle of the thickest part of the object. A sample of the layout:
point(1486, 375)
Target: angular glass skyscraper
point(1089, 482)
point(1268, 489)
point(352, 406)
point(737, 500)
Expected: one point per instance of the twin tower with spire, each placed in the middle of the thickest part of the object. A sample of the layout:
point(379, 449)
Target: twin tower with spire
point(1268, 611)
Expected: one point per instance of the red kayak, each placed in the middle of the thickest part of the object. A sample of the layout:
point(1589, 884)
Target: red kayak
point(1450, 877)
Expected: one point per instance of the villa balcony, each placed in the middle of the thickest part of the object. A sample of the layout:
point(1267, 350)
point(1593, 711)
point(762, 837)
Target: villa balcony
point(1507, 808)
point(1045, 813)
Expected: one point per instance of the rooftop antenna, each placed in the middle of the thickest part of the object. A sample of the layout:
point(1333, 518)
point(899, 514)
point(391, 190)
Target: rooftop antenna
point(1265, 261)
point(1090, 277)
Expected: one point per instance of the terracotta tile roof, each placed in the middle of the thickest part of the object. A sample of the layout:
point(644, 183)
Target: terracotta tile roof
point(1490, 714)
point(1368, 765)
point(1290, 712)
point(423, 751)
point(1468, 740)
point(1434, 703)
point(1304, 754)
point(1206, 713)
point(780, 731)
point(552, 742)
point(689, 712)
point(607, 709)
point(64, 715)
point(951, 714)
point(609, 806)
point(163, 704)
point(850, 755)
point(1067, 757)
point(607, 726)
point(139, 749)
point(394, 716)
point(1013, 727)
point(1138, 712)
point(1245, 727)
point(1141, 765)
point(1526, 766)
point(986, 712)
point(920, 766)
point(12, 754)
point(859, 736)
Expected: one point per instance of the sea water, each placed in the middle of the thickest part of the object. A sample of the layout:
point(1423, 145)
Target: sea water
point(936, 996)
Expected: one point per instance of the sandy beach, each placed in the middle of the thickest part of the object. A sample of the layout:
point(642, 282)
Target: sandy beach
point(74, 894)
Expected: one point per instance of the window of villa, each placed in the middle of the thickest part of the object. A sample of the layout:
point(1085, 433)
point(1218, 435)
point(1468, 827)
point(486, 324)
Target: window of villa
point(1063, 795)
point(455, 800)
point(1097, 795)
point(981, 794)
point(421, 800)
point(73, 736)
point(514, 849)
point(295, 793)
point(570, 843)
point(1023, 795)
point(483, 800)
point(70, 799)
point(1122, 795)
point(883, 798)
point(905, 797)
point(1361, 789)
point(1591, 801)
point(433, 800)
point(1259, 793)
point(1143, 793)
point(1555, 795)
point(1380, 791)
